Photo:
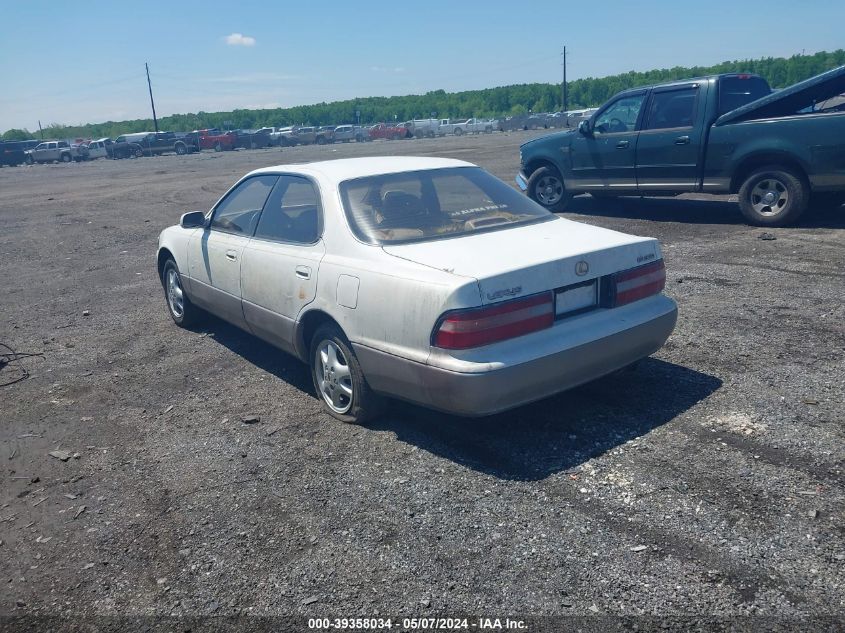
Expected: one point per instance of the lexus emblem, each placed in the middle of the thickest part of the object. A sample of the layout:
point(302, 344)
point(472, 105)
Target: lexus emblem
point(582, 268)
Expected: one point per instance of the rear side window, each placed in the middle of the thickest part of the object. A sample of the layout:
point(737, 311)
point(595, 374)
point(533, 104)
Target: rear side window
point(737, 91)
point(671, 109)
point(292, 213)
point(238, 211)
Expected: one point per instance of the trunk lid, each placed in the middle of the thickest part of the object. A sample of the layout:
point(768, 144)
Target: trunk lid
point(524, 260)
point(790, 100)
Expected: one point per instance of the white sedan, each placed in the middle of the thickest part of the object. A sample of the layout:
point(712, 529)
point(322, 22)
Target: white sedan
point(424, 279)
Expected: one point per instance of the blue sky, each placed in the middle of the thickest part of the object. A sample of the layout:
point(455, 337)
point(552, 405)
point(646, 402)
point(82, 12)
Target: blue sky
point(76, 62)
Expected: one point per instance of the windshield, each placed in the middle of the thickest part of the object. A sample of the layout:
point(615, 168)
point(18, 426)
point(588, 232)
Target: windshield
point(430, 204)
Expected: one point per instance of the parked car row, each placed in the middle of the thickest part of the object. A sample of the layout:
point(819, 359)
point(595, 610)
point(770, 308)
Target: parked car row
point(139, 144)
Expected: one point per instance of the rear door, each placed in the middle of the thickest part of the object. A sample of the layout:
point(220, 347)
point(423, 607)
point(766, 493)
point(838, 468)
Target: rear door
point(605, 160)
point(669, 145)
point(280, 263)
point(214, 254)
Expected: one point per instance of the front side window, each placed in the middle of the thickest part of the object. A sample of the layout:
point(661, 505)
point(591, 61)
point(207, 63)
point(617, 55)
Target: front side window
point(292, 214)
point(620, 116)
point(239, 210)
point(433, 204)
point(671, 109)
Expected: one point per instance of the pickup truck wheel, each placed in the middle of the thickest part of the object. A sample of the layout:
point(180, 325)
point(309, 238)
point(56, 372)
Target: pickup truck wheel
point(773, 196)
point(458, 132)
point(545, 186)
point(29, 160)
point(66, 158)
point(218, 147)
point(182, 311)
point(338, 378)
point(139, 153)
point(181, 149)
point(321, 140)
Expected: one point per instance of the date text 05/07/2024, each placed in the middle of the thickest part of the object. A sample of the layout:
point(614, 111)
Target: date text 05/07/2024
point(417, 624)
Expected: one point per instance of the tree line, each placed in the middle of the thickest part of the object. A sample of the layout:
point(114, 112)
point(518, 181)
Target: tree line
point(489, 102)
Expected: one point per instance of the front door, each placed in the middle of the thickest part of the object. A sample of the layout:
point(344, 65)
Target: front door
point(214, 254)
point(604, 160)
point(281, 261)
point(669, 147)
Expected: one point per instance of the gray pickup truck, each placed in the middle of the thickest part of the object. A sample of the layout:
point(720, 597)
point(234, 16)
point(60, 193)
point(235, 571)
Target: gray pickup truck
point(55, 151)
point(720, 134)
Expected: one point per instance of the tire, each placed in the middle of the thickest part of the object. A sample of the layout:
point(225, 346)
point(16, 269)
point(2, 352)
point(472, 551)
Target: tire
point(394, 137)
point(338, 378)
point(30, 160)
point(218, 147)
point(458, 132)
point(773, 196)
point(321, 140)
point(139, 153)
point(253, 145)
point(179, 306)
point(545, 187)
point(66, 158)
point(181, 149)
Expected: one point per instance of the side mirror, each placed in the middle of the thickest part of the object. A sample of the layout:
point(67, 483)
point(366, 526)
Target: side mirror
point(584, 128)
point(192, 220)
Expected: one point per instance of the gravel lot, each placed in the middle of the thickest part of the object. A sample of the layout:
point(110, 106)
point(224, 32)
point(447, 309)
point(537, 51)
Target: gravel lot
point(706, 482)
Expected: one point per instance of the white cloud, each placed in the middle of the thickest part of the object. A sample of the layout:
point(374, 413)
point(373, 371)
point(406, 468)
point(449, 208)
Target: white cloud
point(239, 39)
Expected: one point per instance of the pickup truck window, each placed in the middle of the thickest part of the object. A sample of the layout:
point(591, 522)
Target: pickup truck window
point(671, 109)
point(737, 91)
point(620, 116)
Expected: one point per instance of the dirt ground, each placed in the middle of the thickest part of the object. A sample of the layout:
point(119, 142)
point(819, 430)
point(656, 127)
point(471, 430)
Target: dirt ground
point(706, 482)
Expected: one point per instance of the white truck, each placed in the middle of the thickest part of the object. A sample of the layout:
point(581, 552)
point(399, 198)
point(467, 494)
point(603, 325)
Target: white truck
point(473, 126)
point(423, 128)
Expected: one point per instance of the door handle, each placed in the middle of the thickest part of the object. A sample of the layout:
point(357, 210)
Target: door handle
point(622, 144)
point(232, 255)
point(303, 272)
point(682, 140)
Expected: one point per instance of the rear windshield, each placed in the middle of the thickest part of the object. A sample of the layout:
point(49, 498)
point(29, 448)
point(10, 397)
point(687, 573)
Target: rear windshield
point(431, 204)
point(737, 91)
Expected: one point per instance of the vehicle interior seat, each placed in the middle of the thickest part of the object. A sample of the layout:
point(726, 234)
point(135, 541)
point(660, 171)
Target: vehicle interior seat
point(400, 209)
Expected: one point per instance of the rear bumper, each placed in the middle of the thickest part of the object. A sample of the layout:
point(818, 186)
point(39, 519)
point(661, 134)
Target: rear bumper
point(481, 391)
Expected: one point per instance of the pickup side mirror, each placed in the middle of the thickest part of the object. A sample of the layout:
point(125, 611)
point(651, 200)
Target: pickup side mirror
point(584, 128)
point(192, 220)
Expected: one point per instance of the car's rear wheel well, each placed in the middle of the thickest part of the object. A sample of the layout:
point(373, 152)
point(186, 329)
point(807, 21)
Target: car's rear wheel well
point(753, 163)
point(307, 327)
point(163, 256)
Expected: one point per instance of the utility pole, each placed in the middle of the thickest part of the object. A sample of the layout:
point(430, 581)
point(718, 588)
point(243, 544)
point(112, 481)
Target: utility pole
point(152, 103)
point(564, 95)
point(40, 129)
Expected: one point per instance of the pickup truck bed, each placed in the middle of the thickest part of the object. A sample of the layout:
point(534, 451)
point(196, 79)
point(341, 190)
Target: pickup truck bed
point(720, 134)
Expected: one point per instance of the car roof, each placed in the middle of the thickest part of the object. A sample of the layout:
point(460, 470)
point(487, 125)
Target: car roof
point(348, 168)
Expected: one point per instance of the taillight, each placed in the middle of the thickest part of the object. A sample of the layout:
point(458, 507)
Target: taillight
point(640, 282)
point(462, 329)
